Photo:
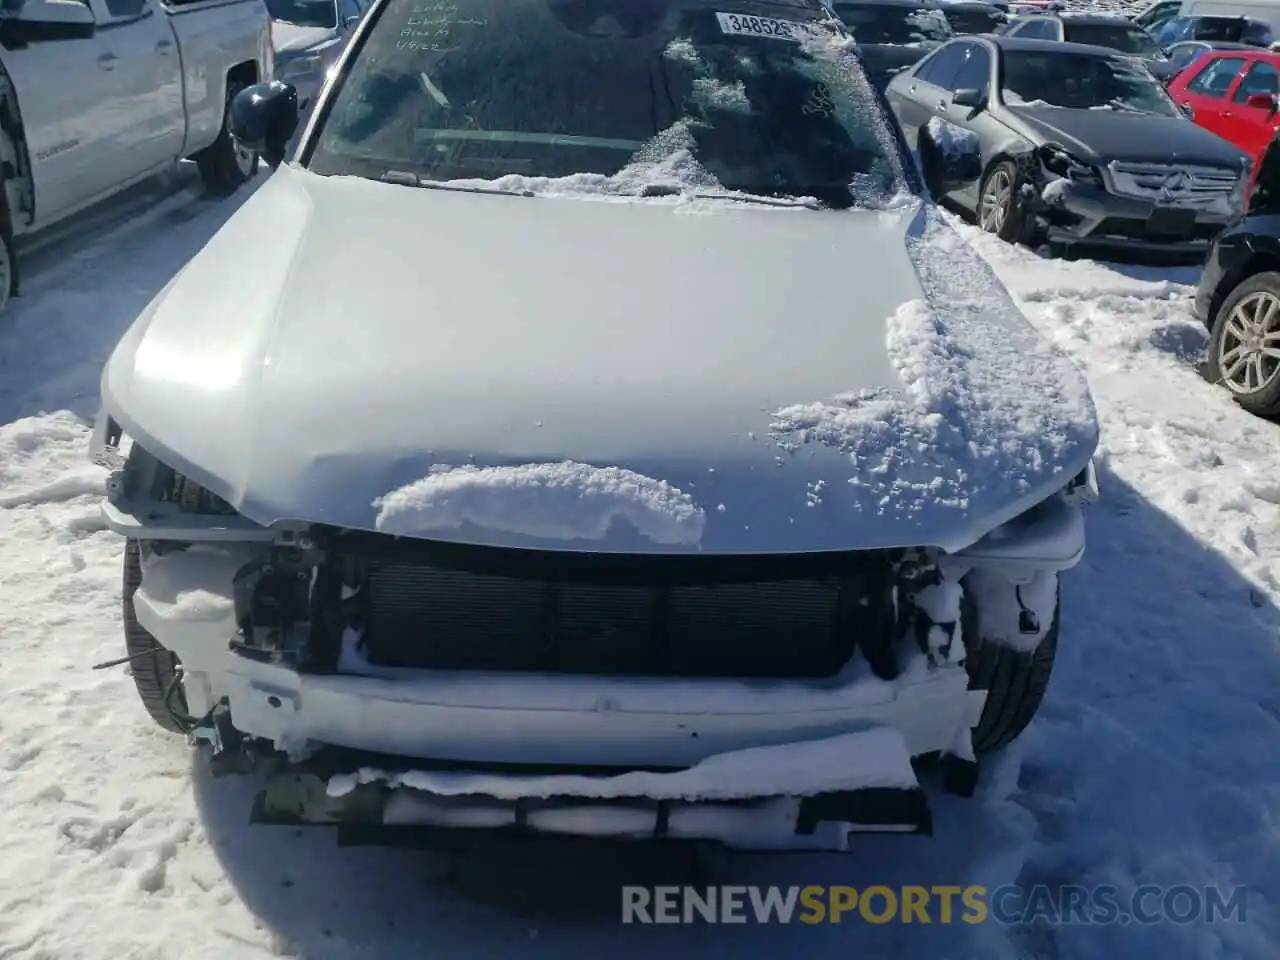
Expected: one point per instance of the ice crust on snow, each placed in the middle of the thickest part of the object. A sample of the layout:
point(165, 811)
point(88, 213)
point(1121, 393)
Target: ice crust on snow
point(547, 501)
point(876, 757)
point(972, 407)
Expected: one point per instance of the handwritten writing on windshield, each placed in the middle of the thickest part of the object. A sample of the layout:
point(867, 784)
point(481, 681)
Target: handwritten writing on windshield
point(429, 26)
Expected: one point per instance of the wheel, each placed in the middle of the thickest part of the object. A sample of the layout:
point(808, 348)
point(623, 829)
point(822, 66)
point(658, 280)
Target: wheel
point(152, 674)
point(224, 165)
point(1000, 210)
point(1015, 682)
point(8, 268)
point(1244, 347)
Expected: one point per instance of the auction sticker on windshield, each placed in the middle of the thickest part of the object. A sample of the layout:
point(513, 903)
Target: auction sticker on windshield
point(738, 24)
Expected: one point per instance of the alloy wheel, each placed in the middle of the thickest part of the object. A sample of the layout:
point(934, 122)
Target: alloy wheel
point(1249, 349)
point(996, 198)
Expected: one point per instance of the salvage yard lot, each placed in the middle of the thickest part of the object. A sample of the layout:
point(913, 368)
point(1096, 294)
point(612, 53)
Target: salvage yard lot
point(1155, 759)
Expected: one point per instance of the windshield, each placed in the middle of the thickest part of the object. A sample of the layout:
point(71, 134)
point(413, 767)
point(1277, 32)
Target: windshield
point(1082, 82)
point(1117, 36)
point(304, 13)
point(971, 20)
point(895, 24)
point(620, 95)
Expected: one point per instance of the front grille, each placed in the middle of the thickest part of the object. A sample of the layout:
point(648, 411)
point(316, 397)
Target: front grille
point(1132, 229)
point(1189, 185)
point(758, 621)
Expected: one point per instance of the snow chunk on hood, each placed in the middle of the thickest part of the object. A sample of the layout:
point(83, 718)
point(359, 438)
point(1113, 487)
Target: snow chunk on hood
point(971, 410)
point(547, 501)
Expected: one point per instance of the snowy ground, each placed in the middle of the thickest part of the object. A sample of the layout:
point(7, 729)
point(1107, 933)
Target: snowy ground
point(1156, 758)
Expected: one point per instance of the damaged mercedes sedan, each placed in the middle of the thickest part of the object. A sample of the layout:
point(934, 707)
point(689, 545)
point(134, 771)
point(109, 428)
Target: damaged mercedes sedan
point(592, 429)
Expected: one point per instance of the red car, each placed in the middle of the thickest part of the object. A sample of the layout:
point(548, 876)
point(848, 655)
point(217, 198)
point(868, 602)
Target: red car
point(1233, 93)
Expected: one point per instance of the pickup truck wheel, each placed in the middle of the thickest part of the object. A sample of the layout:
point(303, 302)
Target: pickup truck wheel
point(224, 165)
point(153, 666)
point(1015, 681)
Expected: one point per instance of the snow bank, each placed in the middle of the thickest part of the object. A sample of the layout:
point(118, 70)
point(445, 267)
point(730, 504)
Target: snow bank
point(985, 402)
point(552, 501)
point(876, 757)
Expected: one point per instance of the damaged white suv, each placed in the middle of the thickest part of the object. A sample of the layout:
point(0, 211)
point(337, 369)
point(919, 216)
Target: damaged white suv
point(592, 429)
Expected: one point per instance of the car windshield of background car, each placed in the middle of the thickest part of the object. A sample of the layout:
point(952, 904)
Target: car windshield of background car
point(894, 24)
point(304, 13)
point(1115, 36)
point(1082, 82)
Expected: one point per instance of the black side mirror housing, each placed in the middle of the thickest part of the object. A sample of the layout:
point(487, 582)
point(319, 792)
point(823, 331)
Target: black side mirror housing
point(968, 97)
point(45, 21)
point(264, 117)
point(957, 161)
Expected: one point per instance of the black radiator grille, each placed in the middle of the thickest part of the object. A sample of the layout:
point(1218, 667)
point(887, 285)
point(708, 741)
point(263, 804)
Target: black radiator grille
point(434, 617)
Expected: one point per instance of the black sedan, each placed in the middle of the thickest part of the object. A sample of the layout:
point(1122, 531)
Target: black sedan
point(969, 17)
point(892, 34)
point(1239, 299)
point(1076, 145)
point(1097, 30)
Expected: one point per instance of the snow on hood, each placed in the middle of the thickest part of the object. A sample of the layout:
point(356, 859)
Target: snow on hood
point(552, 501)
point(654, 376)
point(292, 37)
point(961, 426)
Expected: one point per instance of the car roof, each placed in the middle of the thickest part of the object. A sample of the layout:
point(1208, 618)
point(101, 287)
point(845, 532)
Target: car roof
point(1043, 46)
point(913, 4)
point(1096, 19)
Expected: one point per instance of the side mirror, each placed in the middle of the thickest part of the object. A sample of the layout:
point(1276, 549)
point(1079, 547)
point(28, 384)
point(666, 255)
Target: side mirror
point(263, 119)
point(958, 154)
point(43, 21)
point(968, 97)
point(1262, 101)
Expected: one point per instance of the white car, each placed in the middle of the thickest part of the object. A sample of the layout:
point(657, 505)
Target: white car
point(607, 419)
point(98, 96)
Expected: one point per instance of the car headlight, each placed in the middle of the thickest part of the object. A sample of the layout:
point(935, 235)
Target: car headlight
point(300, 66)
point(1062, 164)
point(141, 478)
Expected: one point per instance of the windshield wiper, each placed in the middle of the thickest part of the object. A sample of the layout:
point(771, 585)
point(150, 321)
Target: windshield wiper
point(673, 190)
point(407, 179)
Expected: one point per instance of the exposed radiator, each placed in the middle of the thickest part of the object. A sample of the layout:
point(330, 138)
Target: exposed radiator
point(438, 618)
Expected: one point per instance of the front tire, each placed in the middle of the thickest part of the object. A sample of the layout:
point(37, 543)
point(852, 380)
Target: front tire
point(1244, 346)
point(1000, 207)
point(223, 165)
point(153, 666)
point(1015, 682)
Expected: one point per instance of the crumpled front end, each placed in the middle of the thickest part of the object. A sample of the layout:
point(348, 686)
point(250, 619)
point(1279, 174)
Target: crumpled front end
point(764, 702)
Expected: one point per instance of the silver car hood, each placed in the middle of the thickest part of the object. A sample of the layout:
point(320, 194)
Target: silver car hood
point(658, 376)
